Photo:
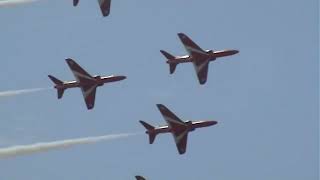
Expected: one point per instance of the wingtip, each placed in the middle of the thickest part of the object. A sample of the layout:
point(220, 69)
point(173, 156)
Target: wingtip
point(105, 14)
point(202, 82)
point(160, 105)
point(181, 153)
point(90, 107)
point(182, 35)
point(69, 59)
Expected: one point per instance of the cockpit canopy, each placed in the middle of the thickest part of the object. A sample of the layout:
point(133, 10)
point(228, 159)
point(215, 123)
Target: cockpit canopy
point(97, 77)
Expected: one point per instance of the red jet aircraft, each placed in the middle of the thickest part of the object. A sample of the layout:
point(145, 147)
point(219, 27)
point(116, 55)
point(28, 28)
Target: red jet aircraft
point(177, 127)
point(199, 57)
point(104, 6)
point(85, 81)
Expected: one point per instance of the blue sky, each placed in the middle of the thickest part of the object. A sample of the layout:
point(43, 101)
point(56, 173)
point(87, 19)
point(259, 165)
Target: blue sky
point(265, 98)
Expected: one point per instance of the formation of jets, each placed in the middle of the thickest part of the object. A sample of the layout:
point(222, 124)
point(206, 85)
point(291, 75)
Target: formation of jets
point(178, 128)
point(200, 59)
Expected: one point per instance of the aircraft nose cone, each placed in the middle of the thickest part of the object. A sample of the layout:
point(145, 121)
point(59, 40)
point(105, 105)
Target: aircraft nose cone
point(122, 77)
point(235, 51)
point(211, 123)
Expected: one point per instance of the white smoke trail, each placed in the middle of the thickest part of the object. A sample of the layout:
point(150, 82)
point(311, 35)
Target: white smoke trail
point(7, 3)
point(47, 146)
point(22, 91)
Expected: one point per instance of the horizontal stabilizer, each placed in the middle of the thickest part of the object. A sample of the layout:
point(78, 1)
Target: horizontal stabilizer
point(146, 125)
point(152, 135)
point(167, 55)
point(55, 80)
point(171, 64)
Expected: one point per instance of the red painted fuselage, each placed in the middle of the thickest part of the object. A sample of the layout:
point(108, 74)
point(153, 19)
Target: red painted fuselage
point(210, 56)
point(99, 81)
point(191, 127)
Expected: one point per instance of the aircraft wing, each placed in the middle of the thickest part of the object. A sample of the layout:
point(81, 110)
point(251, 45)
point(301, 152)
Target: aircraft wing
point(179, 128)
point(105, 7)
point(80, 74)
point(88, 88)
point(181, 139)
point(201, 68)
point(193, 49)
point(172, 120)
point(89, 95)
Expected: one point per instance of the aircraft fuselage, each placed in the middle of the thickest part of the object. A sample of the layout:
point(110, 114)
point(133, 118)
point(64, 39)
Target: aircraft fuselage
point(98, 80)
point(191, 126)
point(210, 55)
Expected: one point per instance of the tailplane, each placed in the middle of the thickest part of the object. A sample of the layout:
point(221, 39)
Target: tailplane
point(57, 82)
point(170, 57)
point(167, 55)
point(150, 132)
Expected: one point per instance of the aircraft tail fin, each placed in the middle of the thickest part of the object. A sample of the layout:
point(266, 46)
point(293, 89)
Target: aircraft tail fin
point(140, 178)
point(57, 82)
point(152, 137)
point(172, 67)
point(170, 57)
point(75, 2)
point(150, 128)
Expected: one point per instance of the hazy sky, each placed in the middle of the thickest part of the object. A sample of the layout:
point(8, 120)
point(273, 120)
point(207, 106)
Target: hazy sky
point(265, 98)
